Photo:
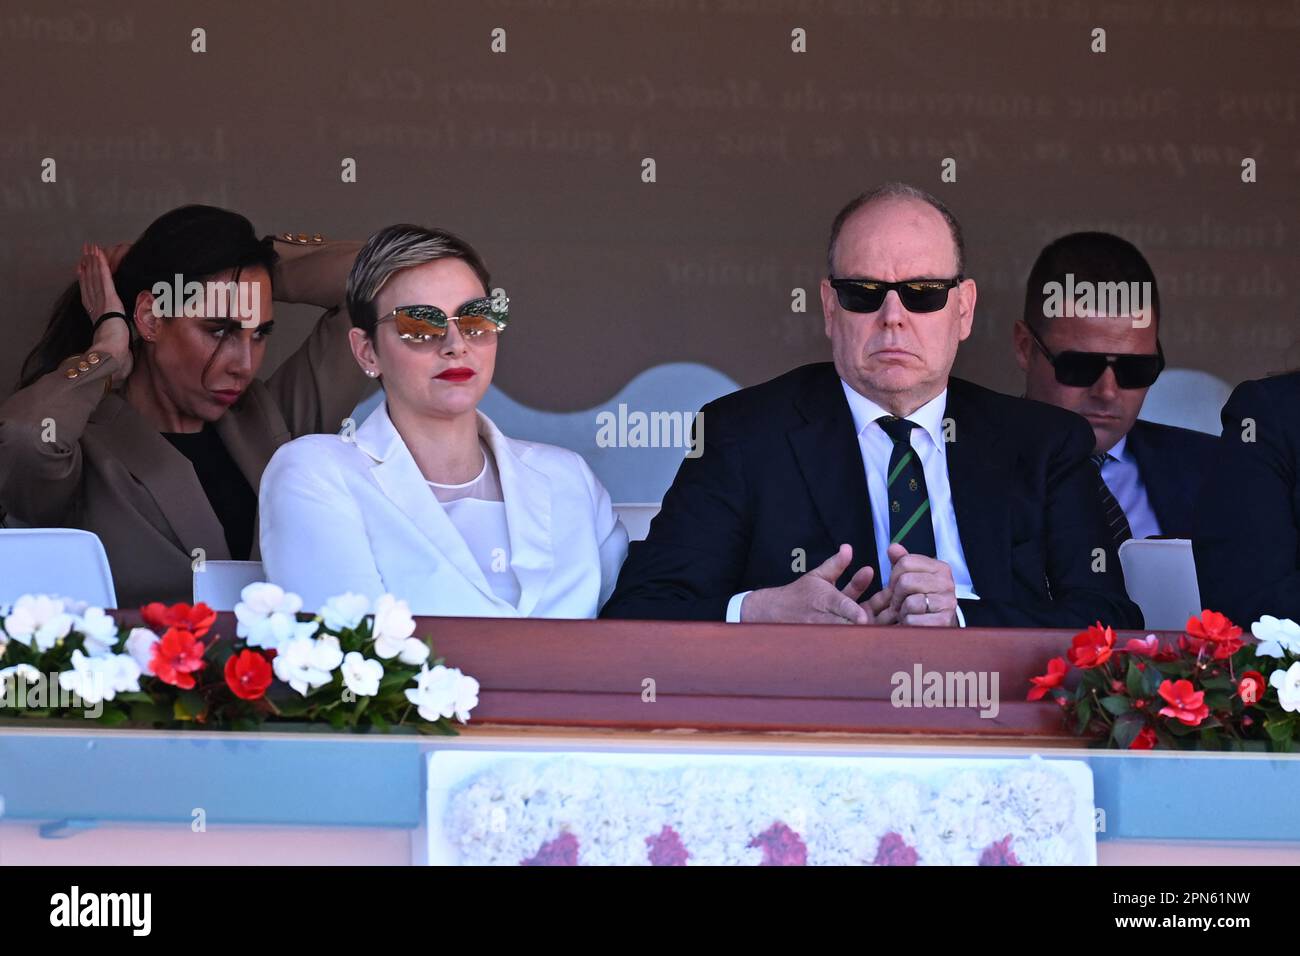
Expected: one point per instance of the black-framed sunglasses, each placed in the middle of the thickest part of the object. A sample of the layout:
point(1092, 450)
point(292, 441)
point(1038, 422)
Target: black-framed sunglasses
point(917, 295)
point(428, 323)
point(1082, 369)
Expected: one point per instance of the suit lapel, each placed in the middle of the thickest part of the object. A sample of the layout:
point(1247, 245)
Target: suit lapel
point(980, 479)
point(402, 482)
point(165, 473)
point(829, 457)
point(527, 494)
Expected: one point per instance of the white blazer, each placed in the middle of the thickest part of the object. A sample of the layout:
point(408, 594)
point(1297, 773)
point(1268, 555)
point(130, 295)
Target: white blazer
point(339, 514)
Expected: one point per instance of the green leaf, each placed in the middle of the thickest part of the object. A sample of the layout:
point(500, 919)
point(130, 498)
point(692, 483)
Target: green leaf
point(1116, 705)
point(1279, 730)
point(1127, 727)
point(1133, 679)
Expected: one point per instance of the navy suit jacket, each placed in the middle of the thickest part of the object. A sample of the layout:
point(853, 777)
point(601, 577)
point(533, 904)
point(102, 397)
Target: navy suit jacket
point(1172, 462)
point(782, 473)
point(1247, 540)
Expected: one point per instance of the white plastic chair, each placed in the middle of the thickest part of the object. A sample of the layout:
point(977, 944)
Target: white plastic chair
point(63, 561)
point(1160, 574)
point(219, 583)
point(636, 518)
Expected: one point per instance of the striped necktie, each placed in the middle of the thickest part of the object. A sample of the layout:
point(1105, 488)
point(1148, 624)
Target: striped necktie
point(1115, 519)
point(910, 523)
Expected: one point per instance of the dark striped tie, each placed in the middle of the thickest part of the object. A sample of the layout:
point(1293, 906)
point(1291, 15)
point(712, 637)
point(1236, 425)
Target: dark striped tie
point(1115, 519)
point(910, 523)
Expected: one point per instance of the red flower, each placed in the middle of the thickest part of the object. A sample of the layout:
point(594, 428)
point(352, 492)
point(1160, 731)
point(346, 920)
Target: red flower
point(1056, 670)
point(1215, 633)
point(1145, 740)
point(1092, 648)
point(1251, 687)
point(196, 619)
point(781, 846)
point(999, 854)
point(894, 851)
point(248, 674)
point(176, 656)
point(1186, 704)
point(666, 848)
point(562, 851)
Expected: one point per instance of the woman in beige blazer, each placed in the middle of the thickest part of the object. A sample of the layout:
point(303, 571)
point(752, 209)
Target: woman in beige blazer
point(147, 424)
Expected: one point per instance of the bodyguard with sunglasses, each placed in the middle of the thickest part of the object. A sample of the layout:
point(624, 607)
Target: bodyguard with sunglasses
point(1100, 366)
point(428, 500)
point(878, 475)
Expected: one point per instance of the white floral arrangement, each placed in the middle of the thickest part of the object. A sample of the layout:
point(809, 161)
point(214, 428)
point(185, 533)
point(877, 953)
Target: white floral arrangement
point(352, 665)
point(566, 811)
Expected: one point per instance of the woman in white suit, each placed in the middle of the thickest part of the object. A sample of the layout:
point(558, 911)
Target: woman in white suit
point(428, 499)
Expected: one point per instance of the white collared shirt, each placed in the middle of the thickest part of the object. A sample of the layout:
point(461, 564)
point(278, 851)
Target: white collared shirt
point(876, 448)
point(1124, 479)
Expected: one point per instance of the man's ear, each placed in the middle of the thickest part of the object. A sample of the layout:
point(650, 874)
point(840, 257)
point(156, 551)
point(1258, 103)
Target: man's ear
point(829, 304)
point(966, 296)
point(146, 322)
point(1021, 343)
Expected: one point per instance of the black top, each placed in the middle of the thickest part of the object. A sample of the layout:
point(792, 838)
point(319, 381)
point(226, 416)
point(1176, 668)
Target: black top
point(231, 496)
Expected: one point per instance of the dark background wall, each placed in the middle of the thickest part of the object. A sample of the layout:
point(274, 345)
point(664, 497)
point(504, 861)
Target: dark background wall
point(535, 155)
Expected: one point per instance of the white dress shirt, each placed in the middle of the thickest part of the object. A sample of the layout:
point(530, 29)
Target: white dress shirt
point(1124, 479)
point(876, 447)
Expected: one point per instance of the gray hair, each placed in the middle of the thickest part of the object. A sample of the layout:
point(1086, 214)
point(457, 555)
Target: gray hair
point(897, 190)
point(393, 249)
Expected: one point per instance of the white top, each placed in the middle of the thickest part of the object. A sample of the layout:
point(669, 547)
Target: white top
point(477, 509)
point(340, 513)
point(876, 448)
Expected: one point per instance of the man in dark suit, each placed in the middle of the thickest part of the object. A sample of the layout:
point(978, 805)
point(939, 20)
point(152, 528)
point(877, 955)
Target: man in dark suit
point(1089, 343)
point(941, 502)
point(1247, 540)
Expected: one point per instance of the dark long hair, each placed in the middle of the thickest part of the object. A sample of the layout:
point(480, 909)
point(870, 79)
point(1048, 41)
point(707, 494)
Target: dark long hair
point(196, 242)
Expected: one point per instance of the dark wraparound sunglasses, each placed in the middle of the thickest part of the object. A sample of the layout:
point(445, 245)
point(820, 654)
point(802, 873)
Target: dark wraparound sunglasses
point(428, 323)
point(917, 295)
point(1082, 369)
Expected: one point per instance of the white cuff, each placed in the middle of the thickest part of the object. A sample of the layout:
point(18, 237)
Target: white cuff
point(733, 607)
point(961, 618)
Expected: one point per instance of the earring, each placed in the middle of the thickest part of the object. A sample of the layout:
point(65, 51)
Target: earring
point(371, 373)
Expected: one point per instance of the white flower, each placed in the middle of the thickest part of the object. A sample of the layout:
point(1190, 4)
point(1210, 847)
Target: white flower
point(40, 618)
point(393, 625)
point(123, 673)
point(265, 616)
point(414, 651)
point(94, 679)
point(442, 692)
point(1287, 683)
point(362, 676)
point(99, 629)
point(26, 671)
point(139, 644)
point(345, 612)
point(305, 663)
point(1276, 636)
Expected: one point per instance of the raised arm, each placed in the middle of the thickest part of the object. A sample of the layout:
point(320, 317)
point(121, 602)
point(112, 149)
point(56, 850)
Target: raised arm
point(319, 385)
point(41, 425)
